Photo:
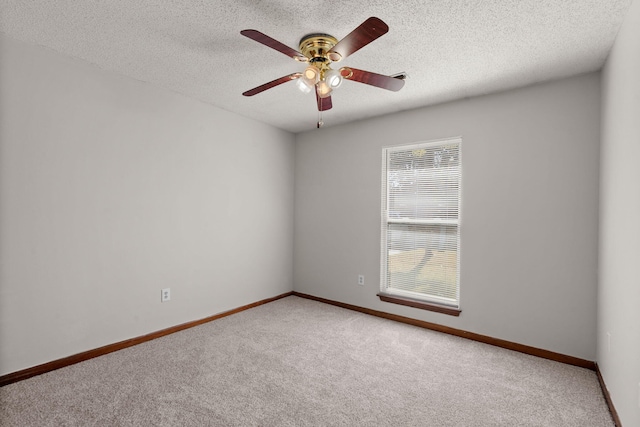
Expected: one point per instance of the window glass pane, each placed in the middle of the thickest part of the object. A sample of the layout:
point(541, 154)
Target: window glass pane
point(423, 259)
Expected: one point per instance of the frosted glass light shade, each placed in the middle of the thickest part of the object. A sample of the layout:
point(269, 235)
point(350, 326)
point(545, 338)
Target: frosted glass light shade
point(311, 74)
point(304, 85)
point(324, 89)
point(333, 78)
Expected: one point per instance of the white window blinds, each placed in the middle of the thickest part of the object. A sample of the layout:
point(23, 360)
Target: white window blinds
point(420, 221)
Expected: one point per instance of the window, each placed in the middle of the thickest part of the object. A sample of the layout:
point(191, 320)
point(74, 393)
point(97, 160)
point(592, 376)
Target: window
point(421, 225)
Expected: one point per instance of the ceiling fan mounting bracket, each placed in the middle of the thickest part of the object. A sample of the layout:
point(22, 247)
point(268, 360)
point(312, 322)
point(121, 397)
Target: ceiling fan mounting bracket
point(316, 46)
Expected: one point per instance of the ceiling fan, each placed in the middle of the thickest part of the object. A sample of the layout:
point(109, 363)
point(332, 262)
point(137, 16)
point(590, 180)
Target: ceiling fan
point(320, 50)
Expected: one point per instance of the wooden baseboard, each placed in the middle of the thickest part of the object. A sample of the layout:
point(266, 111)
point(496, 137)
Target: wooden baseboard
point(607, 398)
point(90, 354)
point(546, 354)
point(80, 357)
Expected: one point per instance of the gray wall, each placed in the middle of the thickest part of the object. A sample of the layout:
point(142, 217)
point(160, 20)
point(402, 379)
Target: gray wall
point(111, 189)
point(619, 282)
point(529, 211)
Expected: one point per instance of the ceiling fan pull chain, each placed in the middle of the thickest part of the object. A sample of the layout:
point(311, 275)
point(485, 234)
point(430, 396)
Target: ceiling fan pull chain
point(320, 122)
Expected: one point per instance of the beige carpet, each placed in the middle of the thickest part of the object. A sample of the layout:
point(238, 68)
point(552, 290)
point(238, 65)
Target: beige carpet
point(296, 362)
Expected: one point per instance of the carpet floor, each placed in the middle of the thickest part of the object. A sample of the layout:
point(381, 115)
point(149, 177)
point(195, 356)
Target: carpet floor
point(297, 362)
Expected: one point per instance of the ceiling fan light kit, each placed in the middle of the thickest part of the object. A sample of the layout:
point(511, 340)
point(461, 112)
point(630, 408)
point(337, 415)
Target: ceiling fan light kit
point(320, 50)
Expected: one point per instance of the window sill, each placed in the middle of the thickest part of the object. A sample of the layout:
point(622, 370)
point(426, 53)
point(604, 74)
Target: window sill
point(394, 299)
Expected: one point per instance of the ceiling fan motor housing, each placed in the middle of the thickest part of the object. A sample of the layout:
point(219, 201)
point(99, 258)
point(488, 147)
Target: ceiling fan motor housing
point(316, 47)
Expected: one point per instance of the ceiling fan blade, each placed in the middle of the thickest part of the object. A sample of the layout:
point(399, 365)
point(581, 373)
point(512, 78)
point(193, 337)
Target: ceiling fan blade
point(373, 79)
point(274, 44)
point(324, 104)
point(367, 32)
point(272, 83)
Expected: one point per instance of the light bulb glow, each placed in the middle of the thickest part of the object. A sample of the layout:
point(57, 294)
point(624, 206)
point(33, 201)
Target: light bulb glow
point(324, 89)
point(311, 74)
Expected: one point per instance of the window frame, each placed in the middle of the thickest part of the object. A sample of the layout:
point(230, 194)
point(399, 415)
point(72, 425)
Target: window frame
point(404, 297)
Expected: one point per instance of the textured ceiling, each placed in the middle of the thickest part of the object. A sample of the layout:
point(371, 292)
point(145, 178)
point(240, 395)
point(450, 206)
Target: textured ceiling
point(450, 48)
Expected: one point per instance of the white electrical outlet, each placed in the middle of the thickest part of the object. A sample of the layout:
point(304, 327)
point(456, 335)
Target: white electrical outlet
point(166, 295)
point(360, 279)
